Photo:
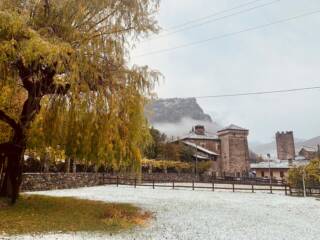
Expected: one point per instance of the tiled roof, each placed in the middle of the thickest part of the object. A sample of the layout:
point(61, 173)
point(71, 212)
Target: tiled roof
point(200, 148)
point(201, 157)
point(233, 127)
point(283, 164)
point(309, 149)
point(205, 136)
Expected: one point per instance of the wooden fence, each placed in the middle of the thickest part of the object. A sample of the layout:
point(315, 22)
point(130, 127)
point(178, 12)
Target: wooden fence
point(216, 184)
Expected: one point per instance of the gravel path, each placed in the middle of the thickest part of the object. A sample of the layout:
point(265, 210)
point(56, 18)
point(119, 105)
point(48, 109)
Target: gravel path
point(187, 214)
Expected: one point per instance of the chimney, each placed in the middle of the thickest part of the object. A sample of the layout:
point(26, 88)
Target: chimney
point(199, 130)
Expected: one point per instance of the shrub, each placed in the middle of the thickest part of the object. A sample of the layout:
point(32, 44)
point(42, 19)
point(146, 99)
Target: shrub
point(312, 175)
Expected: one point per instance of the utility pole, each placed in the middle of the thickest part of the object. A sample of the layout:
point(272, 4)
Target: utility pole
point(270, 180)
point(196, 166)
point(303, 181)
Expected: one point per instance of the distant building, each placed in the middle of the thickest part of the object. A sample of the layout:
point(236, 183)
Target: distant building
point(278, 168)
point(228, 149)
point(285, 145)
point(308, 152)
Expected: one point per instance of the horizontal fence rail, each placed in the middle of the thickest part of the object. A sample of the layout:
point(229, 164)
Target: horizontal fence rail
point(214, 185)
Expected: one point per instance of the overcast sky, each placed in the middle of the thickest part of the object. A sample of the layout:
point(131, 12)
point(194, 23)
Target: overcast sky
point(282, 56)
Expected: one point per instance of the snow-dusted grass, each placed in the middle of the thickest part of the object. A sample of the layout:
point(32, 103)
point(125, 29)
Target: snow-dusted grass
point(186, 214)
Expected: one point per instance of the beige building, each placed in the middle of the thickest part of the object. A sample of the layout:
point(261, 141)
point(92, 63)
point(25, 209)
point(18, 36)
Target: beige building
point(278, 169)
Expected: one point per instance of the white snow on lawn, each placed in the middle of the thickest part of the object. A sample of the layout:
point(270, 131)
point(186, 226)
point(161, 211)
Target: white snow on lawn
point(187, 214)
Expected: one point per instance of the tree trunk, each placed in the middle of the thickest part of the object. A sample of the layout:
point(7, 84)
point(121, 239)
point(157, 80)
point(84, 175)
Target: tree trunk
point(67, 165)
point(12, 157)
point(14, 150)
point(74, 166)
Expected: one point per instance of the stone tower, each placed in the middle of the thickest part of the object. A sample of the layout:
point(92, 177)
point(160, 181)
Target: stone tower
point(285, 145)
point(234, 159)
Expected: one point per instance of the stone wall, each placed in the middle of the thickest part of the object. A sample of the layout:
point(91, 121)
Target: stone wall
point(52, 181)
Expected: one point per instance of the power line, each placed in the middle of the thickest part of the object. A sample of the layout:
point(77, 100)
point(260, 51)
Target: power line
point(229, 34)
point(259, 93)
point(212, 15)
point(210, 21)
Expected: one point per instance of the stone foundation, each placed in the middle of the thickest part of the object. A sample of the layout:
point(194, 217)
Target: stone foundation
point(52, 181)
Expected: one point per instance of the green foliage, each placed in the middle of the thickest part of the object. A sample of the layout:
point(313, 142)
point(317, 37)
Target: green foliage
point(156, 147)
point(87, 44)
point(167, 164)
point(186, 153)
point(312, 174)
point(178, 166)
point(203, 166)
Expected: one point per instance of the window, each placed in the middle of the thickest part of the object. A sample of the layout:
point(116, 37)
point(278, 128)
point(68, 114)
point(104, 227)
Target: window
point(281, 174)
point(262, 173)
point(271, 173)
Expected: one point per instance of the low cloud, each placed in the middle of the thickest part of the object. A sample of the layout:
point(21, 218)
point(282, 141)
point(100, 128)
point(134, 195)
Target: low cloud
point(173, 130)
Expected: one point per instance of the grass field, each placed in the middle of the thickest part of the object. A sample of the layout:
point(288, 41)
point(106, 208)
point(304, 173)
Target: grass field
point(44, 214)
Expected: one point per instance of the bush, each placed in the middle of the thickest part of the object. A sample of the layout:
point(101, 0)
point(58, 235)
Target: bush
point(163, 165)
point(312, 175)
point(204, 166)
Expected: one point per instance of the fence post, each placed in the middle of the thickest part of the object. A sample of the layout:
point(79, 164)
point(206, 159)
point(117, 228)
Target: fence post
point(290, 190)
point(135, 182)
point(153, 183)
point(213, 186)
point(270, 188)
point(285, 189)
point(173, 184)
point(117, 181)
point(252, 188)
point(192, 184)
point(102, 178)
point(232, 187)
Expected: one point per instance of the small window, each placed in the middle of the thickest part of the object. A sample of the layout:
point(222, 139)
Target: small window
point(281, 174)
point(271, 173)
point(262, 174)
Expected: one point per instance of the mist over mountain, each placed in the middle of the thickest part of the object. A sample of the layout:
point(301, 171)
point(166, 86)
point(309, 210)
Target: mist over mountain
point(176, 116)
point(173, 110)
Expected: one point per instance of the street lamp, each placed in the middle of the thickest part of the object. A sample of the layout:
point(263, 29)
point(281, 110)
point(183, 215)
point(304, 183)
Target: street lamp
point(196, 155)
point(269, 169)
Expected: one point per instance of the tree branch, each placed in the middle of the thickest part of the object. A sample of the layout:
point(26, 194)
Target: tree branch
point(24, 74)
point(58, 89)
point(5, 118)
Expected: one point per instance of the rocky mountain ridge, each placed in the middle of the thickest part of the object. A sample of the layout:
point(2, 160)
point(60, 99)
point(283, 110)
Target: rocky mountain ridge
point(176, 116)
point(174, 110)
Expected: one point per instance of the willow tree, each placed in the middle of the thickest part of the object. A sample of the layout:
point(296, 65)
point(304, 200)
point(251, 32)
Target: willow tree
point(72, 55)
